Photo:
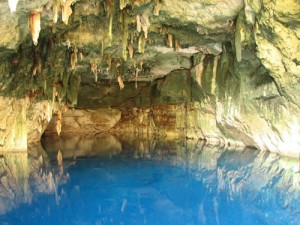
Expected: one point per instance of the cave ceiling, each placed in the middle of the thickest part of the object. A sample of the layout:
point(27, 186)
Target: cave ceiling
point(146, 38)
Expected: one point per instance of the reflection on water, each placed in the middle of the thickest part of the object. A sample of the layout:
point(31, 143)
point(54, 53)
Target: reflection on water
point(24, 176)
point(140, 181)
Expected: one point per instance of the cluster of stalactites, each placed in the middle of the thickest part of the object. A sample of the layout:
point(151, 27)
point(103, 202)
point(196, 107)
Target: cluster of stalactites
point(143, 23)
point(123, 3)
point(35, 16)
point(171, 43)
point(13, 5)
point(156, 8)
point(66, 10)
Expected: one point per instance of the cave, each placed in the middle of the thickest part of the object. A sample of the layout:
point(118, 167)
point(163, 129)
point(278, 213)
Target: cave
point(203, 94)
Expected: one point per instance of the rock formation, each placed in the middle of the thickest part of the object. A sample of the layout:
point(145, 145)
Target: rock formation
point(233, 77)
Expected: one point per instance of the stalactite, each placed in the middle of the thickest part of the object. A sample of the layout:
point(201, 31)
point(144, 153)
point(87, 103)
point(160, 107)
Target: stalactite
point(110, 27)
point(121, 83)
point(68, 43)
point(138, 23)
point(37, 64)
point(119, 77)
point(110, 14)
point(239, 39)
point(130, 50)
point(214, 79)
point(156, 8)
point(35, 26)
point(55, 9)
point(94, 71)
point(73, 58)
point(125, 35)
point(141, 44)
point(136, 74)
point(13, 5)
point(54, 94)
point(131, 36)
point(141, 64)
point(177, 45)
point(37, 68)
point(58, 122)
point(109, 62)
point(170, 40)
point(66, 10)
point(199, 69)
point(45, 85)
point(102, 48)
point(123, 3)
point(137, 2)
point(73, 86)
point(49, 111)
point(145, 23)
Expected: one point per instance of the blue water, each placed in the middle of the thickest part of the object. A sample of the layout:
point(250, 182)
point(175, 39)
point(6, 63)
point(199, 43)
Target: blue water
point(173, 189)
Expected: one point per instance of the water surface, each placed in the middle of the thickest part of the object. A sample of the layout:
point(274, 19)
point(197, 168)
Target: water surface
point(105, 181)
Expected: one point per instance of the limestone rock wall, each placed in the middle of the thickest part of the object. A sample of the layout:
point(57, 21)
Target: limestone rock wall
point(13, 130)
point(236, 103)
point(242, 91)
point(267, 51)
point(37, 118)
point(85, 121)
point(229, 102)
point(22, 123)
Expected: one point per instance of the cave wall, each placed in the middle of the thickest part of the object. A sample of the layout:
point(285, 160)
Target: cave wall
point(236, 103)
point(242, 92)
point(22, 123)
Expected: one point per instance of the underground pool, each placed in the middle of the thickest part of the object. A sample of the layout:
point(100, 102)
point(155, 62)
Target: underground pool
point(103, 181)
